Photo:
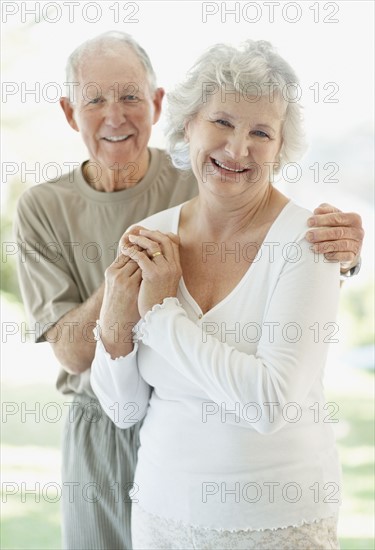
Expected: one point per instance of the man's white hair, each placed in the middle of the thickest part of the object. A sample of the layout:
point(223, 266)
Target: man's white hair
point(107, 43)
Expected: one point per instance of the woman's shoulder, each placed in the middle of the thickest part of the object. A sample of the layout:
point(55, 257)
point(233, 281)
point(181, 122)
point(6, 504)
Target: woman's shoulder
point(166, 220)
point(292, 221)
point(298, 215)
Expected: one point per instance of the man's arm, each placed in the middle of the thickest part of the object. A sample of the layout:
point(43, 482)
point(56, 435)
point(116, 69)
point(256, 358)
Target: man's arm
point(337, 235)
point(75, 345)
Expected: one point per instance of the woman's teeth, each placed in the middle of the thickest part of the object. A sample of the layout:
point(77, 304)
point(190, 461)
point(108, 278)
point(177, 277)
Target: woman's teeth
point(221, 165)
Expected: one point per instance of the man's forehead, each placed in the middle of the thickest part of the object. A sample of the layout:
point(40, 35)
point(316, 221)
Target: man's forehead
point(119, 67)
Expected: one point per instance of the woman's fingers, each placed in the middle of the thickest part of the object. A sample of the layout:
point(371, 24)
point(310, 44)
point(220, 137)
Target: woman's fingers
point(142, 259)
point(166, 244)
point(152, 247)
point(154, 242)
point(159, 262)
point(134, 230)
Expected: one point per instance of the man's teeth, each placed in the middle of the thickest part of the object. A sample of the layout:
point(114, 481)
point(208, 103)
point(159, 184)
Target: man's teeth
point(116, 138)
point(227, 168)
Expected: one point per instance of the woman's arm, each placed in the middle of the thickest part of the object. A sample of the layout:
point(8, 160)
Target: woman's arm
point(121, 390)
point(115, 378)
point(284, 367)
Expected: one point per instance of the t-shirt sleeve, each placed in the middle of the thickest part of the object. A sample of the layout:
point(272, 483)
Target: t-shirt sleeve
point(46, 283)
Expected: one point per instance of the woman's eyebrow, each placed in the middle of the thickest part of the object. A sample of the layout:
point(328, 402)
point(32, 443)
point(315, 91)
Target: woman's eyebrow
point(227, 115)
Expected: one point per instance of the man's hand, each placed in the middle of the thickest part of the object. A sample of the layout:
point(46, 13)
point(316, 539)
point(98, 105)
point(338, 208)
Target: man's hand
point(337, 235)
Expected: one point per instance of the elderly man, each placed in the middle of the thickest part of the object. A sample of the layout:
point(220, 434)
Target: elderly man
point(84, 215)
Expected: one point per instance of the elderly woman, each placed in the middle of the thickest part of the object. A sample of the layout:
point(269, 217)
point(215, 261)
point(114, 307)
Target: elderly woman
point(215, 326)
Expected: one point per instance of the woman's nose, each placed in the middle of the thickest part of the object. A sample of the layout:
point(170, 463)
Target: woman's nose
point(237, 145)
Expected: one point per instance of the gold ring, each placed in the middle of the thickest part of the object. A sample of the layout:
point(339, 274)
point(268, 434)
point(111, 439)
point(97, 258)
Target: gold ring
point(158, 253)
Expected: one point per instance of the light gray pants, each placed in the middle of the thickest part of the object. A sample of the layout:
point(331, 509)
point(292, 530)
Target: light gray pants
point(98, 466)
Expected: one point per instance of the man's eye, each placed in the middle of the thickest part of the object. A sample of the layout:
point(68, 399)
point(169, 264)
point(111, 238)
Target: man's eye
point(95, 100)
point(129, 97)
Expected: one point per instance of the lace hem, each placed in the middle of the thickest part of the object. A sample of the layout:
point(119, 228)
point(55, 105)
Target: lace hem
point(150, 532)
point(139, 330)
point(97, 337)
point(183, 525)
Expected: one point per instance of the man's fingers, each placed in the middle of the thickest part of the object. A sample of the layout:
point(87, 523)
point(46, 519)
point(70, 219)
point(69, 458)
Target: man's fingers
point(123, 262)
point(345, 258)
point(323, 234)
point(336, 246)
point(336, 219)
point(325, 208)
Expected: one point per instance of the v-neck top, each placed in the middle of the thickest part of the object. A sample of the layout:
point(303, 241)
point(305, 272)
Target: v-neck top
point(236, 432)
point(182, 286)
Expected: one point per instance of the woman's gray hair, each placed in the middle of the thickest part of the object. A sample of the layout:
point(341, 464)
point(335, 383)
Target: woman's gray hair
point(108, 43)
point(252, 70)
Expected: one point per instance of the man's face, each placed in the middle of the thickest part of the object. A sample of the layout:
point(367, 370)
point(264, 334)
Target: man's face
point(114, 109)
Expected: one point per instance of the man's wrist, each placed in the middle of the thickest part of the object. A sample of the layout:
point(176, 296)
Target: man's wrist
point(351, 272)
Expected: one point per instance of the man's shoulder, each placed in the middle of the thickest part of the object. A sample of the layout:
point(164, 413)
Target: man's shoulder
point(46, 191)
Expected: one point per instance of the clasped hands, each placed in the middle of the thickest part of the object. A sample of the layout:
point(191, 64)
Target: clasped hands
point(146, 270)
point(157, 257)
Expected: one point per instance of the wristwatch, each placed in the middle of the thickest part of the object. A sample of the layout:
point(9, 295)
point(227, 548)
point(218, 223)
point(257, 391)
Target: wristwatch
point(351, 272)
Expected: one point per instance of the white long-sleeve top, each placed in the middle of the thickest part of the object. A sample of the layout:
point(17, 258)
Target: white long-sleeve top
point(236, 431)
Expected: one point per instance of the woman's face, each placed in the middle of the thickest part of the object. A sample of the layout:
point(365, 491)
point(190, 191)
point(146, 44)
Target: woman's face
point(235, 142)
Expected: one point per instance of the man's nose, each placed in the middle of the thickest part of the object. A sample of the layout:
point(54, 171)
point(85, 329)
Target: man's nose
point(115, 114)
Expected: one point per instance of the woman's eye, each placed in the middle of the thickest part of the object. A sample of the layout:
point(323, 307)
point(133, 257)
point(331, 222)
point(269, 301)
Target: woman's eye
point(261, 134)
point(222, 122)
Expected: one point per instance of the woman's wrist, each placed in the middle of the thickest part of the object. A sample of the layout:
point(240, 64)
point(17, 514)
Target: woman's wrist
point(168, 303)
point(117, 340)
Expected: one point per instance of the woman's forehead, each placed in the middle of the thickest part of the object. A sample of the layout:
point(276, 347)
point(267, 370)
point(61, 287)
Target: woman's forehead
point(242, 107)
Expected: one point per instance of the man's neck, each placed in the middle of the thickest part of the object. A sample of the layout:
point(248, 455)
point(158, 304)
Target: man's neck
point(115, 178)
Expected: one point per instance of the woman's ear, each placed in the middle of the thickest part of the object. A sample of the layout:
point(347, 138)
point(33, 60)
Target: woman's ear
point(280, 153)
point(186, 131)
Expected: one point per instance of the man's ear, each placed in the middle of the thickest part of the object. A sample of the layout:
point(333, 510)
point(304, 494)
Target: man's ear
point(158, 100)
point(67, 107)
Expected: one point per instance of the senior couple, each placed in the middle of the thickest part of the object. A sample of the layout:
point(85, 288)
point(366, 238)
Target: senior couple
point(219, 465)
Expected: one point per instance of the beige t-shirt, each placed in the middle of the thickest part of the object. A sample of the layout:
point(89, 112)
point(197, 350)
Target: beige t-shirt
point(68, 234)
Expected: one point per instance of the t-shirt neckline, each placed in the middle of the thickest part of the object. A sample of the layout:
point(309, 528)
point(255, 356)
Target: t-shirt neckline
point(125, 194)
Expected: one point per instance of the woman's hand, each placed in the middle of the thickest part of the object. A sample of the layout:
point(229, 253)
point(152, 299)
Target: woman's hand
point(119, 312)
point(157, 255)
